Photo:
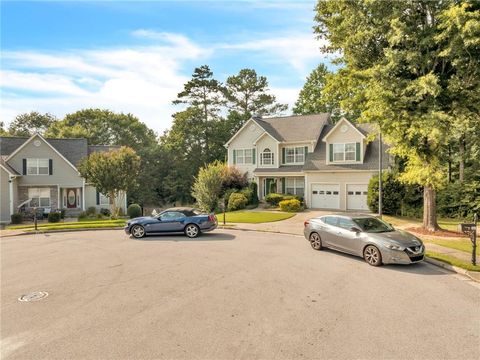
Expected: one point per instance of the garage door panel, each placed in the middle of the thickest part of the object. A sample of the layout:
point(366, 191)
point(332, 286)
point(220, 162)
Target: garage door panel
point(357, 197)
point(326, 196)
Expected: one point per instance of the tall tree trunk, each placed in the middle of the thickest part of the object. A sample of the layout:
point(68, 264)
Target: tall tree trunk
point(461, 150)
point(113, 205)
point(429, 209)
point(449, 163)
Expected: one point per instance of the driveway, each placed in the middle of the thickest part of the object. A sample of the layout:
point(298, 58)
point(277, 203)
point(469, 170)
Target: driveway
point(229, 294)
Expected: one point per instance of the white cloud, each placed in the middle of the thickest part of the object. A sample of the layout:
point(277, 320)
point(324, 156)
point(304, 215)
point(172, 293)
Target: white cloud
point(141, 79)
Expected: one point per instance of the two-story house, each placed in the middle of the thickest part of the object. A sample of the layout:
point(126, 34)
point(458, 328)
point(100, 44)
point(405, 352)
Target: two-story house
point(328, 165)
point(39, 172)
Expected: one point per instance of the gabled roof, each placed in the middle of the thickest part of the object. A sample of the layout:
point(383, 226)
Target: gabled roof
point(317, 160)
point(36, 135)
point(295, 128)
point(337, 125)
point(7, 167)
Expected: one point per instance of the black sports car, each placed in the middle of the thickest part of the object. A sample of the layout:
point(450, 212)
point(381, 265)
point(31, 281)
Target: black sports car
point(191, 222)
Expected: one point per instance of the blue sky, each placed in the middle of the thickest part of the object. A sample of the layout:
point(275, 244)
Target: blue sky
point(59, 57)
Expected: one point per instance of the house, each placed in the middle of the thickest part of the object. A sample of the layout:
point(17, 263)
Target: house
point(328, 165)
point(39, 172)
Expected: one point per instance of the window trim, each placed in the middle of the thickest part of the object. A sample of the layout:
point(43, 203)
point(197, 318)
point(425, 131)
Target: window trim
point(295, 187)
point(295, 154)
point(271, 157)
point(39, 189)
point(243, 157)
point(37, 160)
point(344, 152)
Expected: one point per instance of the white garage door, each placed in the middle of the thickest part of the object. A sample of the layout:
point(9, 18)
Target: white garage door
point(325, 196)
point(357, 197)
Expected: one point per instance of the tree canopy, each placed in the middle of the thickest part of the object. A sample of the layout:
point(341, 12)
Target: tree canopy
point(29, 123)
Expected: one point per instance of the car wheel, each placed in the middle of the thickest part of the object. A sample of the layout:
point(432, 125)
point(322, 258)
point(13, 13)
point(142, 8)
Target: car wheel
point(315, 241)
point(192, 231)
point(372, 255)
point(137, 231)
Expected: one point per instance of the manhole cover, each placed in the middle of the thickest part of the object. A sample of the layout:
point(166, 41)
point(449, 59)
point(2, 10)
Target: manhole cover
point(33, 296)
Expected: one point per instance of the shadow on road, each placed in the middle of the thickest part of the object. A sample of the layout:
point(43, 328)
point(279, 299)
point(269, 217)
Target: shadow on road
point(421, 268)
point(181, 237)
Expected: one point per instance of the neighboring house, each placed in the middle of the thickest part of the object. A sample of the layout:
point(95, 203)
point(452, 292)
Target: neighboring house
point(39, 172)
point(328, 165)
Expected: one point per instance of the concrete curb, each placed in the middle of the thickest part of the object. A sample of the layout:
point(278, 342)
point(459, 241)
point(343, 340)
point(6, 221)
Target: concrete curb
point(60, 231)
point(451, 268)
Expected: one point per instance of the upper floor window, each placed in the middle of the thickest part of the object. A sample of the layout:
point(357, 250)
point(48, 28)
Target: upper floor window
point(266, 158)
point(37, 166)
point(294, 155)
point(243, 156)
point(344, 152)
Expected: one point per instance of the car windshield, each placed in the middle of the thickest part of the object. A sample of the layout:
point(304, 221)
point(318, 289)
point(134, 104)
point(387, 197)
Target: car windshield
point(373, 225)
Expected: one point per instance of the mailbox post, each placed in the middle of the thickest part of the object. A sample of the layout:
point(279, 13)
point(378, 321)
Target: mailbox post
point(471, 230)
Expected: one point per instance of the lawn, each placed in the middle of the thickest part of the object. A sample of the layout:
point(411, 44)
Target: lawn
point(91, 224)
point(457, 244)
point(446, 224)
point(453, 261)
point(253, 217)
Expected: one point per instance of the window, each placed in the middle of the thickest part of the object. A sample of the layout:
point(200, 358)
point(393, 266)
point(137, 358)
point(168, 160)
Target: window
point(295, 186)
point(344, 152)
point(266, 158)
point(103, 199)
point(39, 197)
point(243, 156)
point(172, 216)
point(295, 155)
point(37, 167)
point(330, 220)
point(346, 223)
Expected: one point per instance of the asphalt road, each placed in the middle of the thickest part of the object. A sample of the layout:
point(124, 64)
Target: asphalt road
point(230, 294)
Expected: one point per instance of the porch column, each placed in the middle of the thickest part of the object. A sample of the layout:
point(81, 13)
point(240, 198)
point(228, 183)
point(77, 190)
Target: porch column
point(83, 195)
point(10, 190)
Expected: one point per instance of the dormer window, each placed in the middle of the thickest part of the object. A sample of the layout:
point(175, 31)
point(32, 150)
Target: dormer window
point(266, 157)
point(347, 152)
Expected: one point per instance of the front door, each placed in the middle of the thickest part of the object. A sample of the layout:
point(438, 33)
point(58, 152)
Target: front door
point(71, 198)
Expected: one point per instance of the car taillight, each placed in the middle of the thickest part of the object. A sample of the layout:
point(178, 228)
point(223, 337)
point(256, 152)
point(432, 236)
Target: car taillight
point(212, 218)
point(305, 223)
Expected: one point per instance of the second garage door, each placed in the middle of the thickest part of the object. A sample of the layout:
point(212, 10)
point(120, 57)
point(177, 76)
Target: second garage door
point(357, 197)
point(326, 196)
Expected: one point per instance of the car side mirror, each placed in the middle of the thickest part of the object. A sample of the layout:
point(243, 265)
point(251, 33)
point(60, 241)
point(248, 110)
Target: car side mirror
point(355, 229)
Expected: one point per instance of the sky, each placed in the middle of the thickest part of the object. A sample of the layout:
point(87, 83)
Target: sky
point(134, 57)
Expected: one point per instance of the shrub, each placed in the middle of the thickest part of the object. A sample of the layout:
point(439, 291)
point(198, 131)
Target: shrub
point(232, 178)
point(105, 212)
point(16, 218)
point(459, 200)
point(82, 215)
point(254, 198)
point(134, 210)
point(91, 211)
point(392, 194)
point(62, 214)
point(274, 199)
point(208, 186)
point(54, 217)
point(292, 205)
point(237, 201)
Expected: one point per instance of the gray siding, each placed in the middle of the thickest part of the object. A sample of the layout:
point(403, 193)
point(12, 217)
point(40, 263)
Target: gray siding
point(63, 173)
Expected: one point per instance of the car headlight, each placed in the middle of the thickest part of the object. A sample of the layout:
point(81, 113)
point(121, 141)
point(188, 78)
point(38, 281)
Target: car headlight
point(395, 247)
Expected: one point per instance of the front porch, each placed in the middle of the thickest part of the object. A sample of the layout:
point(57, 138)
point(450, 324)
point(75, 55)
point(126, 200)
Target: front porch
point(287, 184)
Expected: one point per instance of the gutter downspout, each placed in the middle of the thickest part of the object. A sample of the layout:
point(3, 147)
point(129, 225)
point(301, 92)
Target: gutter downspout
point(10, 190)
point(83, 195)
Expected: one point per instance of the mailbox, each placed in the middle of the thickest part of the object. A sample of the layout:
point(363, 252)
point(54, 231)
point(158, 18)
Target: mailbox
point(468, 228)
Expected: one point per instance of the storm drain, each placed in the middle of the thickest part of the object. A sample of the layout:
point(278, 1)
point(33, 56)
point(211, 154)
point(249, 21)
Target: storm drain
point(33, 296)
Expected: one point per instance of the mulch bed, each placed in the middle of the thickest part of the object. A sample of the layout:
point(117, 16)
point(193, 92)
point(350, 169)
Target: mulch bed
point(441, 232)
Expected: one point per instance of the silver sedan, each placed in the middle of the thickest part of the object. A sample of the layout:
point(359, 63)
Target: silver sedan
point(366, 236)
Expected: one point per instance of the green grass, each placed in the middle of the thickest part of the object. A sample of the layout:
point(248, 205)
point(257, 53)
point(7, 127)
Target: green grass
point(453, 261)
point(253, 217)
point(457, 244)
point(446, 224)
point(71, 225)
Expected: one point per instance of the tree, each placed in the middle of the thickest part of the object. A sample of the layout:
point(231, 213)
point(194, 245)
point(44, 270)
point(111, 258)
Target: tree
point(3, 132)
point(247, 94)
point(207, 187)
point(112, 172)
point(30, 123)
point(395, 66)
point(104, 127)
point(312, 99)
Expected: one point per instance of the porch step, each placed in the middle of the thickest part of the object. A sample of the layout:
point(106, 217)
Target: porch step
point(72, 212)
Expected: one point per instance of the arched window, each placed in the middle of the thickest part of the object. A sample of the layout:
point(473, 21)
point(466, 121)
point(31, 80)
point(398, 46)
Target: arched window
point(266, 157)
